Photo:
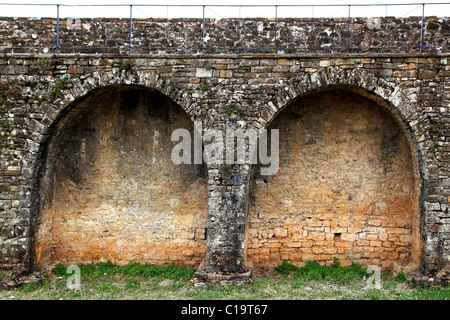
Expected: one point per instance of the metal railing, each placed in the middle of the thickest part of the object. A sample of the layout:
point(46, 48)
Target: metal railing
point(276, 20)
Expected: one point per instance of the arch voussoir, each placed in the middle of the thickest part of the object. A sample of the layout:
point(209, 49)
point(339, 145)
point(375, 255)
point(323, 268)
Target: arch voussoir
point(78, 87)
point(334, 76)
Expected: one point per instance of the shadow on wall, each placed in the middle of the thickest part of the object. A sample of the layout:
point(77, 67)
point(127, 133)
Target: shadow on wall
point(109, 190)
point(347, 187)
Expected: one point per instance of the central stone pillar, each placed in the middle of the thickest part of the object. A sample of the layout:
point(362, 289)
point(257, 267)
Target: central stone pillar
point(228, 204)
point(229, 162)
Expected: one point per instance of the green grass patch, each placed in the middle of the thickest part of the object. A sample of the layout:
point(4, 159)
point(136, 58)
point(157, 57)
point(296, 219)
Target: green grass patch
point(334, 272)
point(286, 268)
point(400, 277)
point(101, 269)
point(107, 280)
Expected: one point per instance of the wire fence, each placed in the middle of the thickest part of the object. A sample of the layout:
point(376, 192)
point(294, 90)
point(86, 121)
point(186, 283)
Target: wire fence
point(139, 28)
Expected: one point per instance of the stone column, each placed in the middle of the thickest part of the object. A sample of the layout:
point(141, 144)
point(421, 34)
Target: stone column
point(228, 197)
point(227, 201)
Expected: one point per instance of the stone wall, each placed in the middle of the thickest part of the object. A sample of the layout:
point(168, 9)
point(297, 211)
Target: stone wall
point(346, 188)
point(39, 93)
point(110, 190)
point(389, 34)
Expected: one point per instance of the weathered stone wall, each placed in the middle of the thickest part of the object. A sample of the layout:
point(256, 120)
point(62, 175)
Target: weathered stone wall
point(102, 35)
point(240, 90)
point(110, 190)
point(346, 188)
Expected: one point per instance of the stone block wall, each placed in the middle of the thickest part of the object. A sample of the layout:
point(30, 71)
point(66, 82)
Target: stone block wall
point(112, 35)
point(110, 190)
point(346, 188)
point(38, 94)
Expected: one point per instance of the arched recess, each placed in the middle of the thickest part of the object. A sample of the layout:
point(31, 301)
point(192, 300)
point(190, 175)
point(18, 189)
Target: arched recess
point(107, 188)
point(349, 185)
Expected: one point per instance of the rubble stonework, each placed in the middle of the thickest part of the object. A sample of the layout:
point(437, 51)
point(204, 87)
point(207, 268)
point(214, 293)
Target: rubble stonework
point(42, 97)
point(159, 35)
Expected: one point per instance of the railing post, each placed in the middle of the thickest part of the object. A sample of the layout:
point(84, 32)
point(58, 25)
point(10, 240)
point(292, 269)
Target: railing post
point(57, 28)
point(421, 27)
point(276, 16)
point(348, 30)
point(203, 31)
point(131, 27)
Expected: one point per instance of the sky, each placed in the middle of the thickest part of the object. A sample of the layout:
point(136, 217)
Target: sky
point(267, 10)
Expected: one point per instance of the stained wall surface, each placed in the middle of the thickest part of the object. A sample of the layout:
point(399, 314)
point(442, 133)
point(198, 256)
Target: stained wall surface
point(111, 190)
point(41, 95)
point(346, 187)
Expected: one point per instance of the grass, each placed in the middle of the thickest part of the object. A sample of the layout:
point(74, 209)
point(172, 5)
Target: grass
point(101, 269)
point(108, 281)
point(332, 273)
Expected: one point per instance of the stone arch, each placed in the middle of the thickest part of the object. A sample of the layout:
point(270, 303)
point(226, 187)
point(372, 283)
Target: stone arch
point(373, 88)
point(68, 105)
point(77, 87)
point(399, 104)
